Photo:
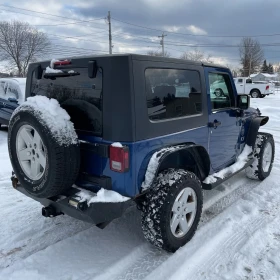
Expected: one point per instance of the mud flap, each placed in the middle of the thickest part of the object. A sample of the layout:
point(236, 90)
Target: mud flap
point(254, 128)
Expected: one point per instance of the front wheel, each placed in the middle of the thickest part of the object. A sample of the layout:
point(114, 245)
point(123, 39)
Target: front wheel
point(263, 157)
point(171, 210)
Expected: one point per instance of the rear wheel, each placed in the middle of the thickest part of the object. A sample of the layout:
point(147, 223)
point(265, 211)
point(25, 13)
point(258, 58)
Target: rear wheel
point(255, 94)
point(263, 157)
point(44, 165)
point(172, 209)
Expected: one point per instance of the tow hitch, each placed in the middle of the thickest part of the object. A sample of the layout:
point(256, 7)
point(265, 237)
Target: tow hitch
point(50, 212)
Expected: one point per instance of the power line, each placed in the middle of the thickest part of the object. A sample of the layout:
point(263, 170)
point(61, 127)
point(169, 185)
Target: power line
point(196, 35)
point(69, 23)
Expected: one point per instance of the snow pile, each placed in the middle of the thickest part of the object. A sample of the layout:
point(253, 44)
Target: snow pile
point(240, 162)
point(117, 145)
point(53, 62)
point(52, 71)
point(51, 115)
point(101, 196)
point(153, 165)
point(71, 71)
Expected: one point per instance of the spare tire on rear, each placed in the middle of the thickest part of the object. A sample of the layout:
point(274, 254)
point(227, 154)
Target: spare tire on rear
point(43, 147)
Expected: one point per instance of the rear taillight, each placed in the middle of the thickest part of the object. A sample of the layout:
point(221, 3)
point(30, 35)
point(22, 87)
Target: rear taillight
point(119, 159)
point(267, 87)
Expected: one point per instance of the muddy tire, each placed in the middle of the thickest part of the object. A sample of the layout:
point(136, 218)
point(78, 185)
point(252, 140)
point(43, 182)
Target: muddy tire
point(44, 166)
point(264, 151)
point(172, 208)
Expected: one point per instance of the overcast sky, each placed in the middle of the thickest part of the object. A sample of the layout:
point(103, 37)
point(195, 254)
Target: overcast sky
point(216, 26)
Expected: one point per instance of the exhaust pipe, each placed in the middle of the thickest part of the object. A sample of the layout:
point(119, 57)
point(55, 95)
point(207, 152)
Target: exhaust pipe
point(50, 212)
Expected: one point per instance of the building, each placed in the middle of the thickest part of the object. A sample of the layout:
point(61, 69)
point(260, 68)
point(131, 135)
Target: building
point(4, 75)
point(264, 77)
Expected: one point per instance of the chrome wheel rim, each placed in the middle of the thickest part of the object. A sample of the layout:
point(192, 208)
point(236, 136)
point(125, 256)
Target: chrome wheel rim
point(31, 152)
point(255, 94)
point(183, 212)
point(267, 157)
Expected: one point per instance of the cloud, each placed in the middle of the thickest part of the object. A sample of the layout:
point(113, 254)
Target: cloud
point(196, 30)
point(129, 19)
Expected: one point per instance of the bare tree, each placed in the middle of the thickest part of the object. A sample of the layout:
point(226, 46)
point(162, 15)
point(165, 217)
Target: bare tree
point(251, 55)
point(21, 44)
point(196, 55)
point(156, 53)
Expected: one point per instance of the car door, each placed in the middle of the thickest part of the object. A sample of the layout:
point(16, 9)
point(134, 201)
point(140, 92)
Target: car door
point(223, 122)
point(240, 85)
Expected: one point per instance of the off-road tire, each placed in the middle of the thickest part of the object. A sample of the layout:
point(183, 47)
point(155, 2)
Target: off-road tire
point(256, 170)
point(157, 206)
point(62, 161)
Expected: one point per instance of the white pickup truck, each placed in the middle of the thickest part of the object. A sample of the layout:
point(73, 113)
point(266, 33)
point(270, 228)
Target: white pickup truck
point(256, 90)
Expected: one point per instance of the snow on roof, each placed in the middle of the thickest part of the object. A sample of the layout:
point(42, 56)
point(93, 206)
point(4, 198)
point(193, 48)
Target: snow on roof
point(264, 74)
point(270, 75)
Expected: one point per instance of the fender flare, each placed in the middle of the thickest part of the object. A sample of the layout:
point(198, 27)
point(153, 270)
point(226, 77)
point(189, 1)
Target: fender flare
point(161, 159)
point(254, 128)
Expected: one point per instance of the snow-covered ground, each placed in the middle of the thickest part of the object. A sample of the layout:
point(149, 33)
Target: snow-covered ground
point(238, 236)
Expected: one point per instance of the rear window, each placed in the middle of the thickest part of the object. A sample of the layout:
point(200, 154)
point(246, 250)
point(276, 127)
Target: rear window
point(172, 93)
point(79, 95)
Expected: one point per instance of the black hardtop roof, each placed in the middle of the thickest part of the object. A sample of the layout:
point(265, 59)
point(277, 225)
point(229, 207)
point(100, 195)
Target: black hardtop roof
point(143, 58)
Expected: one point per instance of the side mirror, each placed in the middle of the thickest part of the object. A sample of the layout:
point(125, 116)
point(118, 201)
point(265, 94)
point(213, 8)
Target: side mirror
point(92, 69)
point(243, 101)
point(38, 72)
point(12, 99)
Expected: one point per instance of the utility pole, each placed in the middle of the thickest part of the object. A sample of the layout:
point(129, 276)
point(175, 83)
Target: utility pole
point(110, 32)
point(162, 42)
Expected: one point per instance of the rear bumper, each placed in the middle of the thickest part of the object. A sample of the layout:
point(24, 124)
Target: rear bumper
point(95, 213)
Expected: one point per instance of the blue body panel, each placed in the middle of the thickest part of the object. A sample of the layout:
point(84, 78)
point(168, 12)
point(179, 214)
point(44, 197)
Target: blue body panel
point(223, 145)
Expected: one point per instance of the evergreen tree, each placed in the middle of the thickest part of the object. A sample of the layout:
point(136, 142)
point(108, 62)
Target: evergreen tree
point(264, 67)
point(270, 69)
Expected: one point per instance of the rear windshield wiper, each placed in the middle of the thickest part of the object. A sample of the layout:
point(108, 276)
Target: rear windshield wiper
point(53, 76)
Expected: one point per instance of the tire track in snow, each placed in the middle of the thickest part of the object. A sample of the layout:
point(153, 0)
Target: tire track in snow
point(206, 253)
point(155, 257)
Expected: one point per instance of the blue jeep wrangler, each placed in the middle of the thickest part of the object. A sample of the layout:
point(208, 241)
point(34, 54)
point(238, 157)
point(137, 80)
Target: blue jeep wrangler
point(151, 131)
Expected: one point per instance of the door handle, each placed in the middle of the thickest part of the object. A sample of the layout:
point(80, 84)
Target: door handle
point(214, 124)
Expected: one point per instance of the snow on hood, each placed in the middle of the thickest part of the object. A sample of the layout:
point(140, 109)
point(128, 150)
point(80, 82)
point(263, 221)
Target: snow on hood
point(53, 117)
point(240, 162)
point(101, 196)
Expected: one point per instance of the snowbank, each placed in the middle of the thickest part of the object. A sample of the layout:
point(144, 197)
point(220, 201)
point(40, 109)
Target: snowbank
point(53, 117)
point(101, 196)
point(240, 162)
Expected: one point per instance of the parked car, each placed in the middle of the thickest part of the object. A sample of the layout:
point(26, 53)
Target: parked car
point(133, 139)
point(247, 86)
point(12, 94)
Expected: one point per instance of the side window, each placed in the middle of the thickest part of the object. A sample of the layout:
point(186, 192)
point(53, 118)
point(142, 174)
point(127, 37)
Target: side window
point(221, 92)
point(172, 93)
point(240, 81)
